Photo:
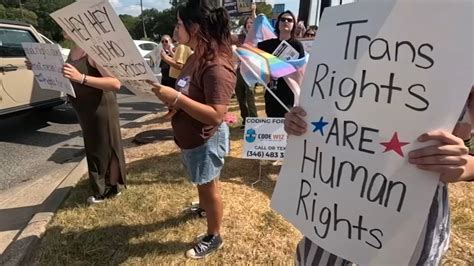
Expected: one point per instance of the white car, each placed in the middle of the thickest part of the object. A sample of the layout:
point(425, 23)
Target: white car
point(64, 51)
point(145, 47)
point(18, 89)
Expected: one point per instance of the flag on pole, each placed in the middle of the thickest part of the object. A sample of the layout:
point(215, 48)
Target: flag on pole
point(264, 65)
point(256, 69)
point(261, 30)
point(295, 79)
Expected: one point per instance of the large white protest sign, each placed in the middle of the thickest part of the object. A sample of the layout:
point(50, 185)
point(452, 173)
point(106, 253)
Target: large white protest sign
point(382, 73)
point(264, 138)
point(47, 65)
point(95, 27)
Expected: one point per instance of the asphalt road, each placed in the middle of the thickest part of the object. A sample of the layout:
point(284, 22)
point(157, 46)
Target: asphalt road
point(42, 142)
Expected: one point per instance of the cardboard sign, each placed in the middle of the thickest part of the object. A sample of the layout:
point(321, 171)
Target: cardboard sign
point(377, 81)
point(244, 6)
point(95, 27)
point(237, 8)
point(264, 138)
point(47, 65)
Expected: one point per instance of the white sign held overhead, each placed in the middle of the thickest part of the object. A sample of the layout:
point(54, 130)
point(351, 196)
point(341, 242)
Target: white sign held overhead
point(47, 65)
point(95, 27)
point(377, 80)
point(264, 138)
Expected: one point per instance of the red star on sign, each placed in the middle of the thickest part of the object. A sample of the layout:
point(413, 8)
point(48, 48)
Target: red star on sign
point(394, 145)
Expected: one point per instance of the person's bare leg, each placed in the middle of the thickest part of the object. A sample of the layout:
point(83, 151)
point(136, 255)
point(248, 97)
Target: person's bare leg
point(210, 200)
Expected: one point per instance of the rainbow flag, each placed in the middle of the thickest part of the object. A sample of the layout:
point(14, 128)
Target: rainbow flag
point(261, 30)
point(258, 66)
point(295, 79)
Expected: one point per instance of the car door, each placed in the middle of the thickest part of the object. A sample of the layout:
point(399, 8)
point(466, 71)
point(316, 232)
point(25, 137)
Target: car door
point(17, 85)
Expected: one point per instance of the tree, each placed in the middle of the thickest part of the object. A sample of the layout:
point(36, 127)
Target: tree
point(13, 13)
point(3, 12)
point(166, 20)
point(265, 8)
point(175, 3)
point(152, 18)
point(131, 24)
point(35, 12)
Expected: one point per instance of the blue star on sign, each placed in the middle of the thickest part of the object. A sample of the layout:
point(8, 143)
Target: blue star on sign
point(319, 126)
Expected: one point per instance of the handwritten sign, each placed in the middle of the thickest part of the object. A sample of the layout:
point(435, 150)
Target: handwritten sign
point(378, 80)
point(238, 7)
point(47, 65)
point(264, 138)
point(95, 27)
point(244, 6)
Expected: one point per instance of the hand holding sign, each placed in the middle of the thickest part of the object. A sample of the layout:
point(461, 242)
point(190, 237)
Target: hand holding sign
point(449, 156)
point(72, 73)
point(166, 94)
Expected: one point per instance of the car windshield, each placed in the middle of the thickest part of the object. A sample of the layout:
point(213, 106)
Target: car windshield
point(10, 42)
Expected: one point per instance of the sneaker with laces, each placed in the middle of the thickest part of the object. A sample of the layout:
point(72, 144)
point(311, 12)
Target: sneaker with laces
point(205, 247)
point(196, 210)
point(110, 192)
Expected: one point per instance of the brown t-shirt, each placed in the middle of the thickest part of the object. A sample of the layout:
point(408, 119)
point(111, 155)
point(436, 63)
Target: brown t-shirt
point(212, 83)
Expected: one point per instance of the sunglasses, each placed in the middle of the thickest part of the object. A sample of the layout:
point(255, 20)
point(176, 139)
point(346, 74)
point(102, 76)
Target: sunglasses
point(164, 41)
point(289, 20)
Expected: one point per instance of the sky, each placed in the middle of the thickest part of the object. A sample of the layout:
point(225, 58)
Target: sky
point(132, 7)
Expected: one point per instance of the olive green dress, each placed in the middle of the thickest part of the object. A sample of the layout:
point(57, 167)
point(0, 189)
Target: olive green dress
point(98, 115)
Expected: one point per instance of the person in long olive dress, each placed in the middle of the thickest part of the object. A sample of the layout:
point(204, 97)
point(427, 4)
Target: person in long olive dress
point(97, 111)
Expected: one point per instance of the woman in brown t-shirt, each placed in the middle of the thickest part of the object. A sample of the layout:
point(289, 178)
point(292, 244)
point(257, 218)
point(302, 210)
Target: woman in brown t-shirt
point(203, 92)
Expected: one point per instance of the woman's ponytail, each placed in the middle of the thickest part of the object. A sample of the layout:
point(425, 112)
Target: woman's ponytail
point(218, 25)
point(213, 36)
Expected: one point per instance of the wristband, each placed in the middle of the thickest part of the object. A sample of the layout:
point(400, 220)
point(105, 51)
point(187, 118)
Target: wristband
point(176, 99)
point(84, 81)
point(83, 78)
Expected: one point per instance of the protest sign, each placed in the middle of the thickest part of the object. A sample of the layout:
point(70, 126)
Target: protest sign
point(47, 65)
point(95, 27)
point(238, 7)
point(377, 80)
point(264, 138)
point(244, 6)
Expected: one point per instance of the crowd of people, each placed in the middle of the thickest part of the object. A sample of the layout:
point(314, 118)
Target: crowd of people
point(199, 78)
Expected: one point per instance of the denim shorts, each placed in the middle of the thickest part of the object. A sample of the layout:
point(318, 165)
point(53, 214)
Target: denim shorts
point(204, 163)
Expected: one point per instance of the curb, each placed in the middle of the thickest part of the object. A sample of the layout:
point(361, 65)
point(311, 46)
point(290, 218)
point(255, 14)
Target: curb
point(20, 251)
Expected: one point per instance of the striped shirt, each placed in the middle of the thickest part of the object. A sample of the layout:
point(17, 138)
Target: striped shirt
point(431, 246)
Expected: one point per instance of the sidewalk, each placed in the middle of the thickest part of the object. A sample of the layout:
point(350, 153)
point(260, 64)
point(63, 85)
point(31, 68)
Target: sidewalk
point(27, 209)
